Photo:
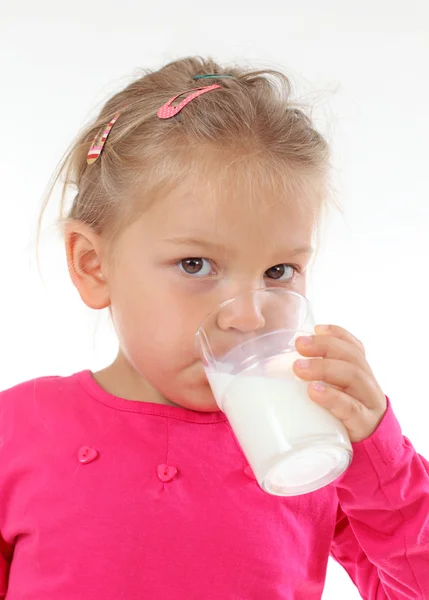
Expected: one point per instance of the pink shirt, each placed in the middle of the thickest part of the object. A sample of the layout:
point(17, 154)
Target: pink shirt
point(103, 498)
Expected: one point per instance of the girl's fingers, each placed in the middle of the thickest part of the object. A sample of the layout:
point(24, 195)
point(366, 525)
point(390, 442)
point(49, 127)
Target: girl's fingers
point(346, 376)
point(343, 381)
point(357, 418)
point(341, 334)
point(332, 347)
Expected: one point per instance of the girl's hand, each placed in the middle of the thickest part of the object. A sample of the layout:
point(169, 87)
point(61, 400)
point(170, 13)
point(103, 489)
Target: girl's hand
point(342, 379)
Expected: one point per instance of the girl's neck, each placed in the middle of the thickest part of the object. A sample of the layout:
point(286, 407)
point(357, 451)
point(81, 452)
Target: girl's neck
point(122, 380)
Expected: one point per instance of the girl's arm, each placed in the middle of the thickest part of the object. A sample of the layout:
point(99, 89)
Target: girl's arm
point(382, 532)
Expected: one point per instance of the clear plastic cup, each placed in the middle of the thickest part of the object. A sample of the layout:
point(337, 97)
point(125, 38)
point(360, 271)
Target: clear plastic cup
point(247, 345)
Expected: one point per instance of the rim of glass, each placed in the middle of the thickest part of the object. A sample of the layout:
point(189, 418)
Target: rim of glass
point(230, 300)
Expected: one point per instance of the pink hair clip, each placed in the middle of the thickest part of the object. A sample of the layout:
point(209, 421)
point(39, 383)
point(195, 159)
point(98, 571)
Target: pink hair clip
point(98, 143)
point(167, 111)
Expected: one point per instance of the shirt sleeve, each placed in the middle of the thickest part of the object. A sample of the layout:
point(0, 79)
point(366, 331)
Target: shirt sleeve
point(6, 550)
point(382, 530)
point(4, 568)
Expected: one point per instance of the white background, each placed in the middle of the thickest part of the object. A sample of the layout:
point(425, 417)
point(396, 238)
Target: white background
point(363, 63)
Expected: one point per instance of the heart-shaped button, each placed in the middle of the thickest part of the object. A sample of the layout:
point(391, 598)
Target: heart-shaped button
point(166, 472)
point(87, 454)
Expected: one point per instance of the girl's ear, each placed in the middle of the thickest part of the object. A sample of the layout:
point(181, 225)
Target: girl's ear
point(85, 253)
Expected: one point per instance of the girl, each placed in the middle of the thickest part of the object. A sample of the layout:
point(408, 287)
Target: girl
point(129, 483)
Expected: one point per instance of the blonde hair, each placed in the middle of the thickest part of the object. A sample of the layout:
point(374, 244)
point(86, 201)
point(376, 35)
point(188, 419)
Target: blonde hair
point(252, 114)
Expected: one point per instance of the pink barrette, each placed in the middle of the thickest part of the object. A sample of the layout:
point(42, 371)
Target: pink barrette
point(98, 143)
point(167, 111)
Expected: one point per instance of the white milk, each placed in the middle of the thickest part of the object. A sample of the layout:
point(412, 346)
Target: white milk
point(271, 415)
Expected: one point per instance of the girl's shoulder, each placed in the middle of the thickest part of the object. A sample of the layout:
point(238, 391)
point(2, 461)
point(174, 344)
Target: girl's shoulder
point(23, 388)
point(27, 390)
point(26, 401)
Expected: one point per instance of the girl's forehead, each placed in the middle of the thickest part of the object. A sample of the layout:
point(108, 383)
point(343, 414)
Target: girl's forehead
point(230, 189)
point(229, 220)
point(233, 206)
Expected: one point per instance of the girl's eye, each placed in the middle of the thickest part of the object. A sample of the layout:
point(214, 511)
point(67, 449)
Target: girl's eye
point(281, 272)
point(200, 267)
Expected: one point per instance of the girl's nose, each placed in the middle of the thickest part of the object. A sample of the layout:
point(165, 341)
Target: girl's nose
point(243, 315)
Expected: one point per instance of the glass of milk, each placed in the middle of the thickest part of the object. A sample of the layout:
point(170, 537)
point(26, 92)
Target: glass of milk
point(247, 345)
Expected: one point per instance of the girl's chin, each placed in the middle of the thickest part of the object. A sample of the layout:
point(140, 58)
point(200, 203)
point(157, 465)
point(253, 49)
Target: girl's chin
point(201, 399)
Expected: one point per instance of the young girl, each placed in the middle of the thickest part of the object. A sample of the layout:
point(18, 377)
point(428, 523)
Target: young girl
point(129, 483)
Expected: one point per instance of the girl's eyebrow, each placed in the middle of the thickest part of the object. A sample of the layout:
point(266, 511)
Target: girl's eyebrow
point(190, 241)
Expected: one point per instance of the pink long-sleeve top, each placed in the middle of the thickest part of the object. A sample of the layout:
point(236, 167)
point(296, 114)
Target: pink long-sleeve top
point(103, 498)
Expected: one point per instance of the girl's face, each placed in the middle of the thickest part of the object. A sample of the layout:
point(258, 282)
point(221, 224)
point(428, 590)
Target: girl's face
point(185, 255)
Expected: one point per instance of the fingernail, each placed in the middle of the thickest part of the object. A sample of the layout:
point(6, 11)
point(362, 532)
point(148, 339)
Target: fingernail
point(306, 340)
point(324, 328)
point(319, 387)
point(302, 364)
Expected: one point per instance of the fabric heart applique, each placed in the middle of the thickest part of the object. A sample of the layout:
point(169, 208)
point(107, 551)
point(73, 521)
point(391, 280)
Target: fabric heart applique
point(87, 454)
point(166, 473)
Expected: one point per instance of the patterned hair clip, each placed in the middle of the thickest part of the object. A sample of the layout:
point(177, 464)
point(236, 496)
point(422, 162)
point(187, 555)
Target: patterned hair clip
point(167, 111)
point(98, 143)
point(214, 76)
